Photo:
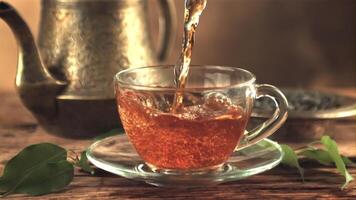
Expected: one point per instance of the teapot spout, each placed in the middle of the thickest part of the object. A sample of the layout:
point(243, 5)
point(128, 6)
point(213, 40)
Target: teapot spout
point(36, 87)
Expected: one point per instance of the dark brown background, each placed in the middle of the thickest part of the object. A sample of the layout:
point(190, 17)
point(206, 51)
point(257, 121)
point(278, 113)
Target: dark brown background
point(286, 43)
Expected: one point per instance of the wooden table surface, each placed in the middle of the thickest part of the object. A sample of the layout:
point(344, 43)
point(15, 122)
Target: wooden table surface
point(19, 129)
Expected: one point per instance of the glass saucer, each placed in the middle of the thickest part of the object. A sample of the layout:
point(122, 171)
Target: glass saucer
point(116, 155)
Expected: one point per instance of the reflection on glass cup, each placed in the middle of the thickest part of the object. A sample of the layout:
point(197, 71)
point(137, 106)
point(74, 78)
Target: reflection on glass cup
point(207, 128)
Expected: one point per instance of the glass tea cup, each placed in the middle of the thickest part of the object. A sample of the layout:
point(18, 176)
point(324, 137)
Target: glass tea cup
point(207, 127)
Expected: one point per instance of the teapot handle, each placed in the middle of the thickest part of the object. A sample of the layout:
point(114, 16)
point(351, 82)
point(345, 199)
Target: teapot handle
point(168, 27)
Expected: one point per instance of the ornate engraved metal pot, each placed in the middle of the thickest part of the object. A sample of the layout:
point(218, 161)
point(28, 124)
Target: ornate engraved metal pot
point(67, 84)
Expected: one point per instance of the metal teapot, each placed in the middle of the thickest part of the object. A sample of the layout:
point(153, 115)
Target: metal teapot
point(67, 84)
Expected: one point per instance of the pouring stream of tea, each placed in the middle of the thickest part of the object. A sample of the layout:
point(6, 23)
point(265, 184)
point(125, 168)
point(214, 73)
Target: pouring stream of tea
point(192, 13)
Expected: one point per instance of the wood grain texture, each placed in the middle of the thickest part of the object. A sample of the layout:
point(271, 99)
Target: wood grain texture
point(18, 129)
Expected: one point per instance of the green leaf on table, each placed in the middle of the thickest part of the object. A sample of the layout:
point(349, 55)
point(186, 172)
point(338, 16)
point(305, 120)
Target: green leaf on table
point(331, 147)
point(323, 157)
point(109, 134)
point(291, 159)
point(83, 163)
point(38, 169)
point(319, 155)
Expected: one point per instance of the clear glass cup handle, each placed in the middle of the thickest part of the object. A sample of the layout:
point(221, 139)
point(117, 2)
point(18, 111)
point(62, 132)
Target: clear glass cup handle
point(274, 122)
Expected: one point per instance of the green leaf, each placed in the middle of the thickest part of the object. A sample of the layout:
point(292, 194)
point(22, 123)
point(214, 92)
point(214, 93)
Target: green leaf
point(48, 178)
point(109, 134)
point(331, 147)
point(291, 159)
point(319, 155)
point(83, 163)
point(323, 157)
point(3, 189)
point(38, 169)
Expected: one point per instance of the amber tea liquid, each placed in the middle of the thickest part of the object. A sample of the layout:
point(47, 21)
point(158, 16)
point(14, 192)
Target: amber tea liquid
point(193, 10)
point(197, 138)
